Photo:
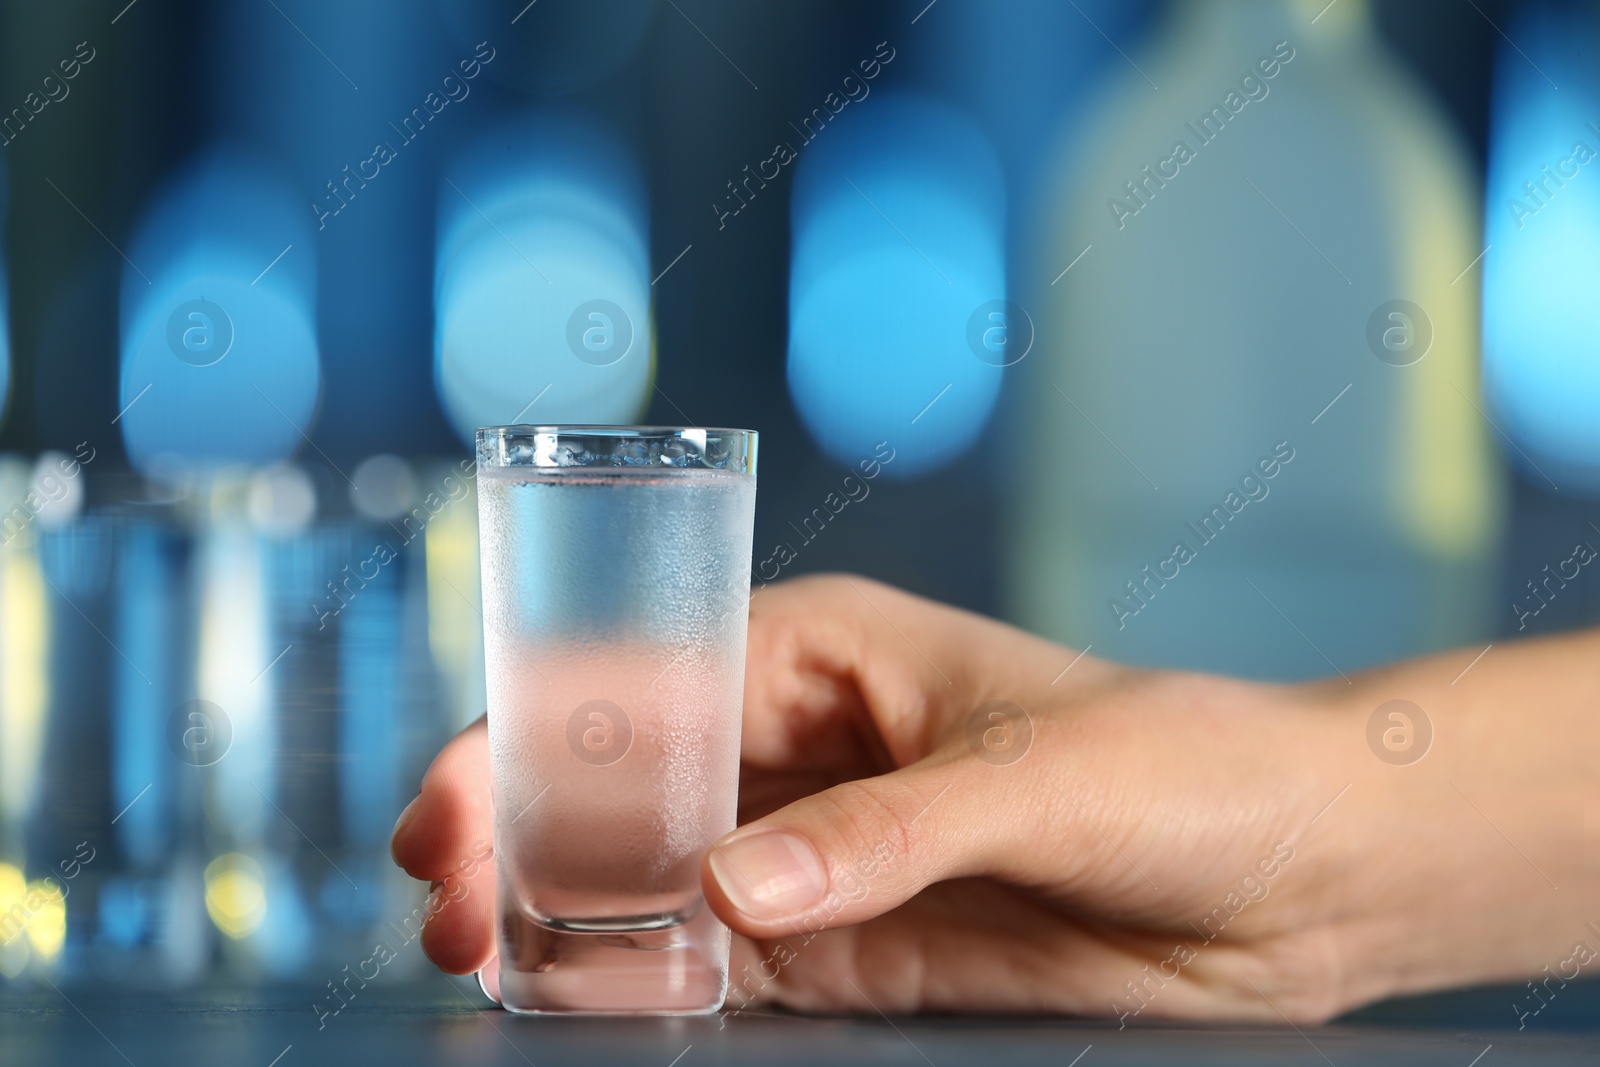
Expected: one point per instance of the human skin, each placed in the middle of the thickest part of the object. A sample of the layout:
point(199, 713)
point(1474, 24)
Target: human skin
point(1130, 843)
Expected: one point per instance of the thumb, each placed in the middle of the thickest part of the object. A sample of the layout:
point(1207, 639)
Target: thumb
point(854, 851)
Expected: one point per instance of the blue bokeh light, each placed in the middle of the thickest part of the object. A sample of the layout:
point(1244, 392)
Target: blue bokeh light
point(542, 288)
point(899, 223)
point(363, 163)
point(1541, 317)
point(219, 348)
point(1027, 76)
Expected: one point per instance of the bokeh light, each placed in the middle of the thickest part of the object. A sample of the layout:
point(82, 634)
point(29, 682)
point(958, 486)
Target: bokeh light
point(60, 492)
point(358, 135)
point(281, 501)
point(543, 286)
point(47, 917)
point(24, 679)
point(13, 920)
point(381, 487)
point(1541, 273)
point(219, 348)
point(234, 651)
point(899, 228)
point(236, 897)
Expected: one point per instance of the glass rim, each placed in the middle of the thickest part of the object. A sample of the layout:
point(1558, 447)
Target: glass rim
point(616, 448)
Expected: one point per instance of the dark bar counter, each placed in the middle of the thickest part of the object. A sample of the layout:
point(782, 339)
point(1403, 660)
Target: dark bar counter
point(438, 1021)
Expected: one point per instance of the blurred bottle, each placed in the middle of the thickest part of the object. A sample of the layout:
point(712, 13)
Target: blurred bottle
point(1541, 318)
point(150, 916)
point(25, 651)
point(221, 375)
point(1249, 268)
point(72, 820)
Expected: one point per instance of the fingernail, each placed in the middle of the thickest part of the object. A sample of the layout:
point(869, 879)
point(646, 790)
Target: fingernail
point(405, 818)
point(770, 874)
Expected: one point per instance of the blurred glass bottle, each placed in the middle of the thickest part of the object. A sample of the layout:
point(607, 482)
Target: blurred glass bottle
point(1250, 259)
point(221, 376)
point(255, 848)
point(73, 816)
point(150, 918)
point(25, 653)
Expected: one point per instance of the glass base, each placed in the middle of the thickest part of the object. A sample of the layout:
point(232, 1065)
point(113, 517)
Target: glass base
point(681, 970)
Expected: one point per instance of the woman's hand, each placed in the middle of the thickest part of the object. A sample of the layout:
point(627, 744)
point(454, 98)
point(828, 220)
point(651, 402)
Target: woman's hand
point(940, 812)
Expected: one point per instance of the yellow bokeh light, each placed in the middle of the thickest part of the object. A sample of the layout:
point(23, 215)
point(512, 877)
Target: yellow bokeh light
point(47, 917)
point(24, 679)
point(13, 887)
point(236, 897)
point(13, 910)
point(455, 629)
point(13, 921)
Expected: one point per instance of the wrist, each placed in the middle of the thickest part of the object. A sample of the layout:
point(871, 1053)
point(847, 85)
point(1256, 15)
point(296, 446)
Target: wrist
point(1461, 836)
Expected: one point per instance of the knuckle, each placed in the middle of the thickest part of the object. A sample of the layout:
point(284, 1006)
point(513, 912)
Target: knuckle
point(874, 822)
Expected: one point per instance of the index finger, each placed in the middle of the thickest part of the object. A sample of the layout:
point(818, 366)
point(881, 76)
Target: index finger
point(452, 816)
point(850, 675)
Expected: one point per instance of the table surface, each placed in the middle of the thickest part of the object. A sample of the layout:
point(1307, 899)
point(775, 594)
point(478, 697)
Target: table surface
point(438, 1022)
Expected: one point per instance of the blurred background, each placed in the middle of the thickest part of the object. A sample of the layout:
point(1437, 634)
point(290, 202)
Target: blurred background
point(1259, 337)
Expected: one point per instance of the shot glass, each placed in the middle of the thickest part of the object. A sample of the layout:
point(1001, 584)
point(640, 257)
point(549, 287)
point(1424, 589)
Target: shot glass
point(616, 588)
